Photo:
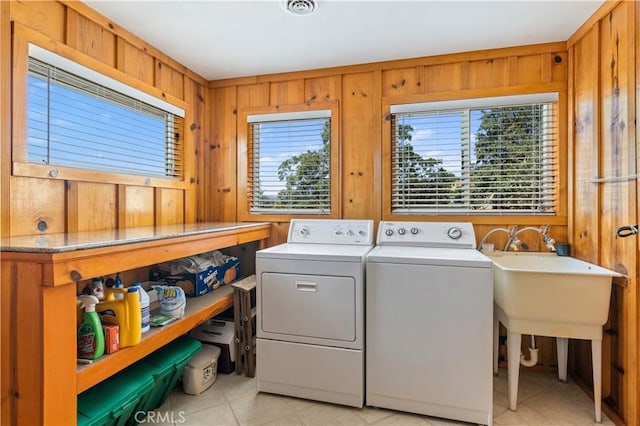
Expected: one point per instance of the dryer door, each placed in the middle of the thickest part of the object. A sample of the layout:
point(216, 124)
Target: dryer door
point(311, 306)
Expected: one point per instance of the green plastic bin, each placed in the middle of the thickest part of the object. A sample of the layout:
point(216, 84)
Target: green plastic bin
point(166, 366)
point(113, 401)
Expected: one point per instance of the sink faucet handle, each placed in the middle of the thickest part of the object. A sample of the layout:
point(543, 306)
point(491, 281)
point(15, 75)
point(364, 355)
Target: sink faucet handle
point(549, 241)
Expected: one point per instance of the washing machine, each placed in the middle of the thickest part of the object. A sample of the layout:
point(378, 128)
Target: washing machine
point(429, 313)
point(310, 311)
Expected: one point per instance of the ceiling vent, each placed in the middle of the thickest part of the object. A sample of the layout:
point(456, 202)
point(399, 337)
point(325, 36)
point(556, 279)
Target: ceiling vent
point(300, 7)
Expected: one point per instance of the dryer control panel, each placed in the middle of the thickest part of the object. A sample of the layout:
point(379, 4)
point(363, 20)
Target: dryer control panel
point(427, 234)
point(331, 231)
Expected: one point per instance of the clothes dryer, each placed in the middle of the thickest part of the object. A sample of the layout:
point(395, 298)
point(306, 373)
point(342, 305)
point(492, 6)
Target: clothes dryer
point(310, 311)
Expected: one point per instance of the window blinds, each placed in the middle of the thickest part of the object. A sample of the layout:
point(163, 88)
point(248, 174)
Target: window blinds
point(75, 122)
point(499, 159)
point(289, 163)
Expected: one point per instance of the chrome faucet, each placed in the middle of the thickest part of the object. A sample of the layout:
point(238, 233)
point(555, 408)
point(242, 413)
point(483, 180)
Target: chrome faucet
point(511, 232)
point(513, 242)
point(544, 233)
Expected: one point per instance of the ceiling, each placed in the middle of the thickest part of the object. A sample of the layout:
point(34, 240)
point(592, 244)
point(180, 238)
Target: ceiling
point(220, 39)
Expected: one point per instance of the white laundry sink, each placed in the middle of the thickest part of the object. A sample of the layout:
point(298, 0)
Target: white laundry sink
point(550, 295)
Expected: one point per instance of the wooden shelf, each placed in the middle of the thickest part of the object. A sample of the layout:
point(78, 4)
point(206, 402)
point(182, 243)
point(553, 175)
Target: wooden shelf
point(39, 275)
point(198, 310)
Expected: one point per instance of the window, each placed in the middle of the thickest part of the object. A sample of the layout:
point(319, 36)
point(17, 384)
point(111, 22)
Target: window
point(289, 163)
point(79, 118)
point(491, 156)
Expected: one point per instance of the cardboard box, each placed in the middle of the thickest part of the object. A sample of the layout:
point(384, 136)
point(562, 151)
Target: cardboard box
point(111, 338)
point(202, 282)
point(221, 334)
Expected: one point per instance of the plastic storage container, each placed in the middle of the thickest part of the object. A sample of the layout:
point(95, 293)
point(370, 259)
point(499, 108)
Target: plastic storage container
point(113, 402)
point(166, 366)
point(200, 373)
point(221, 334)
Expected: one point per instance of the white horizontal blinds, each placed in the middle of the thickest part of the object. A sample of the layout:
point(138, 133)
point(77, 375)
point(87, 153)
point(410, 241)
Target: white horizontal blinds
point(493, 160)
point(75, 122)
point(427, 161)
point(289, 164)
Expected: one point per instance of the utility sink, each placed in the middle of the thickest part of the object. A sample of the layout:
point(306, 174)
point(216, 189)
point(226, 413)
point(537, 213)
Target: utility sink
point(550, 295)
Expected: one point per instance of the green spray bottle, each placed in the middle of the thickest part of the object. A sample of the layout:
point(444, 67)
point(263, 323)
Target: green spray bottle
point(90, 334)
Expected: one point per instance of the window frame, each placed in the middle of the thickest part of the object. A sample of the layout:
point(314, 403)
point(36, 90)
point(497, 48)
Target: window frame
point(23, 37)
point(243, 150)
point(520, 218)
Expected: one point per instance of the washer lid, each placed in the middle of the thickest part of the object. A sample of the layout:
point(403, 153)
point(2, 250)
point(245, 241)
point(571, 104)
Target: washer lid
point(318, 252)
point(429, 256)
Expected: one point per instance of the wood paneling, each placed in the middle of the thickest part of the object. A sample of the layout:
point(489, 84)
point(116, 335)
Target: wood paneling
point(135, 206)
point(83, 200)
point(169, 80)
point(408, 81)
point(604, 97)
point(46, 17)
point(287, 92)
point(586, 112)
point(135, 62)
point(446, 77)
point(320, 89)
point(90, 38)
point(223, 184)
point(169, 206)
point(194, 139)
point(525, 69)
point(256, 95)
point(558, 61)
point(91, 206)
point(37, 206)
point(492, 72)
point(361, 146)
point(5, 126)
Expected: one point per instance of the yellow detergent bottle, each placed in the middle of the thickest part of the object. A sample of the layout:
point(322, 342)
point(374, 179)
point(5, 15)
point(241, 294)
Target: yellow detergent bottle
point(124, 312)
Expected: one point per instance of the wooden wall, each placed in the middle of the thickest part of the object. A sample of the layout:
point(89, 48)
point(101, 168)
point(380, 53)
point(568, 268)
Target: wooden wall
point(33, 204)
point(362, 91)
point(595, 74)
point(603, 58)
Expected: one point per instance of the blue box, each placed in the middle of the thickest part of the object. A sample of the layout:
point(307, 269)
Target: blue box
point(201, 282)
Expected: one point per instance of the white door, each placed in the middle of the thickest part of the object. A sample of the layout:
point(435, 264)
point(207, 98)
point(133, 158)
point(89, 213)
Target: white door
point(312, 306)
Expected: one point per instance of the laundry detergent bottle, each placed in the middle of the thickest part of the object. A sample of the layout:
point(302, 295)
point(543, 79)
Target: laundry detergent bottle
point(90, 334)
point(125, 312)
point(144, 307)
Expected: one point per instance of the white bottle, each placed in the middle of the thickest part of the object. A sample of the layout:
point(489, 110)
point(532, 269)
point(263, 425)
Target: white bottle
point(144, 307)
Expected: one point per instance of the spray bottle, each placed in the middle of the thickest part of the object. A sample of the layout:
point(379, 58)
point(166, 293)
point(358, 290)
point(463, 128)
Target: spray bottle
point(90, 334)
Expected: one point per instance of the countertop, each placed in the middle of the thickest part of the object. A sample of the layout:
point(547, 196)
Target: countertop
point(65, 242)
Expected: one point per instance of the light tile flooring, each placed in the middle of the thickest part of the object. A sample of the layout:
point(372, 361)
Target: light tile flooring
point(233, 400)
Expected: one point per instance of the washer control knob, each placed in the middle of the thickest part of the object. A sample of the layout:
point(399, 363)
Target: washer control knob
point(362, 233)
point(349, 232)
point(454, 233)
point(389, 232)
point(304, 231)
point(337, 232)
point(402, 231)
point(414, 231)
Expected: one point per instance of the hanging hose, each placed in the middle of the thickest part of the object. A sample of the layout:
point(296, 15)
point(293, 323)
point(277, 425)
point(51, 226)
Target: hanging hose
point(627, 231)
point(533, 353)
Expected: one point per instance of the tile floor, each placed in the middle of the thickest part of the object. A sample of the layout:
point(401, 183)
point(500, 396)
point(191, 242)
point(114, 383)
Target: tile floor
point(233, 400)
